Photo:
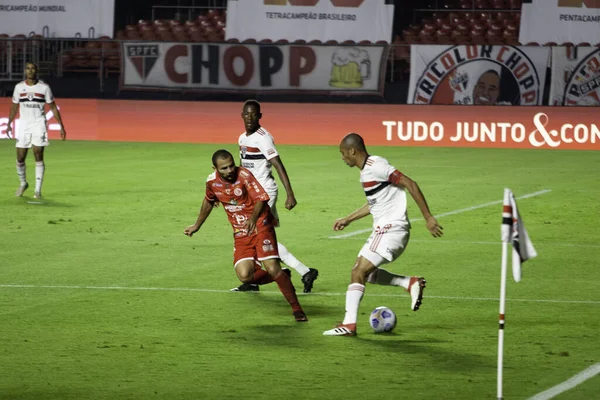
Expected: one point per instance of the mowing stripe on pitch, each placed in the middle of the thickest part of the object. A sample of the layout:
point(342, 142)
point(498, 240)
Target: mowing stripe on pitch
point(568, 384)
point(164, 289)
point(462, 210)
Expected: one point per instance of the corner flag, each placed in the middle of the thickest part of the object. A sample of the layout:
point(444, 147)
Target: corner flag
point(513, 231)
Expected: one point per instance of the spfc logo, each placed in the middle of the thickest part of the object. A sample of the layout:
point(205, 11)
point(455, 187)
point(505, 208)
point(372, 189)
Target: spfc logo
point(143, 57)
point(583, 87)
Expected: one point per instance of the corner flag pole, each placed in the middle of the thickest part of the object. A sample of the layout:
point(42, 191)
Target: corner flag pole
point(501, 317)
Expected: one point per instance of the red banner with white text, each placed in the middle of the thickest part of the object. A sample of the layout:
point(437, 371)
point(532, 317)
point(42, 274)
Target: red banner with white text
point(569, 128)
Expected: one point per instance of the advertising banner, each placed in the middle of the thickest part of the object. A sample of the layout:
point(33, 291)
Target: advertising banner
point(58, 18)
point(310, 20)
point(560, 21)
point(478, 75)
point(575, 76)
point(226, 67)
point(549, 128)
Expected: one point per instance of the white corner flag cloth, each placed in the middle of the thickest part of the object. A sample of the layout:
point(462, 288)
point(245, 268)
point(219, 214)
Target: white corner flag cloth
point(513, 231)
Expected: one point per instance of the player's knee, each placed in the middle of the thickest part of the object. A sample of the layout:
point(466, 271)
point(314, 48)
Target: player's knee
point(273, 267)
point(361, 270)
point(245, 272)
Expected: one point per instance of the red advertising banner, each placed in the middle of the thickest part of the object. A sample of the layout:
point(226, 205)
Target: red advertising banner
point(569, 128)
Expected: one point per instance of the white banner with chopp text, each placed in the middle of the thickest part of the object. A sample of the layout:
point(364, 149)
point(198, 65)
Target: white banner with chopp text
point(308, 20)
point(58, 18)
point(227, 67)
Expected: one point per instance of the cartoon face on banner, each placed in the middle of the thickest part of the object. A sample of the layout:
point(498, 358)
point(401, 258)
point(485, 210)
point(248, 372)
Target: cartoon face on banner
point(479, 75)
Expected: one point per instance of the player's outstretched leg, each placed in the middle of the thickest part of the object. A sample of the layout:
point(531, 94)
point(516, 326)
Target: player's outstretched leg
point(415, 288)
point(309, 275)
point(286, 287)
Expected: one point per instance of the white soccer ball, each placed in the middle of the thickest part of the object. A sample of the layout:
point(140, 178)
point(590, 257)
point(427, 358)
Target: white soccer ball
point(382, 319)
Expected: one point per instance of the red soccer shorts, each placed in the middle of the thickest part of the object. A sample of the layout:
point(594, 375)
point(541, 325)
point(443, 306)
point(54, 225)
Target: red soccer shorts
point(261, 246)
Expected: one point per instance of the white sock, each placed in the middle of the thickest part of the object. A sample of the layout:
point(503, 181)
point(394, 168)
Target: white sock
point(21, 173)
point(353, 297)
point(39, 175)
point(291, 261)
point(382, 277)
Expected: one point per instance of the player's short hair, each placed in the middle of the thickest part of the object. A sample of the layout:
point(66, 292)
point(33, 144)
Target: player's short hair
point(353, 141)
point(252, 102)
point(34, 64)
point(221, 155)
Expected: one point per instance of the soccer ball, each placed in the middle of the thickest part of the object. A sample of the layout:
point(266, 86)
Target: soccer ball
point(382, 319)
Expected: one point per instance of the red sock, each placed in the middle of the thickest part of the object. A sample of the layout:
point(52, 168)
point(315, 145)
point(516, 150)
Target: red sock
point(261, 277)
point(288, 290)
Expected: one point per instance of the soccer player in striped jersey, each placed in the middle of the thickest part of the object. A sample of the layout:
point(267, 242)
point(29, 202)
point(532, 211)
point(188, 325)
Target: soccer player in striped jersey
point(29, 99)
point(385, 188)
point(258, 154)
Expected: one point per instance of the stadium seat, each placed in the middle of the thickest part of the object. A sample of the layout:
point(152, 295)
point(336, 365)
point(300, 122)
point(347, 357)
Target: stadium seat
point(314, 42)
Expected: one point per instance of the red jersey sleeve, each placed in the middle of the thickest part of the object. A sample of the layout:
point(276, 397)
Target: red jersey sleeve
point(210, 195)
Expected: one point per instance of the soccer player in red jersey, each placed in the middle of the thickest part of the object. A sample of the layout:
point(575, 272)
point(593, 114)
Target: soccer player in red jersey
point(246, 204)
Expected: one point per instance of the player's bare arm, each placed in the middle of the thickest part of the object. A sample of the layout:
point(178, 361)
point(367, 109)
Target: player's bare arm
point(290, 202)
point(205, 210)
point(250, 224)
point(413, 188)
point(11, 116)
point(341, 223)
point(56, 112)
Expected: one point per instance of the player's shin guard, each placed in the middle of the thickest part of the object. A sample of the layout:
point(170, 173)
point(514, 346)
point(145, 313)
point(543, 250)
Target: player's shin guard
point(288, 259)
point(289, 292)
point(354, 295)
point(40, 168)
point(21, 173)
point(382, 277)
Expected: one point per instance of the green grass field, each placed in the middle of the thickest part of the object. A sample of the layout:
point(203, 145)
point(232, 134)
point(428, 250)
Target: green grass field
point(103, 297)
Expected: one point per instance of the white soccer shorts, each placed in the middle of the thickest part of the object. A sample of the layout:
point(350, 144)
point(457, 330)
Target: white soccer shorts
point(385, 245)
point(32, 135)
point(273, 204)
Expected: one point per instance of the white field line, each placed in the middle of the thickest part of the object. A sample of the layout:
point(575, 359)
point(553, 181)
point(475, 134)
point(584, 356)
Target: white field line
point(462, 210)
point(492, 243)
point(568, 384)
point(201, 290)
